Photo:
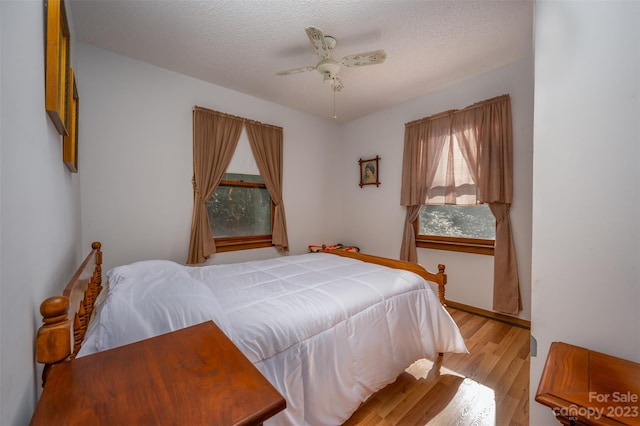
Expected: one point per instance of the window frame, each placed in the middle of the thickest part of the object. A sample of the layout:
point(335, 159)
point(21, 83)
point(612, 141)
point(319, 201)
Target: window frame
point(457, 244)
point(226, 244)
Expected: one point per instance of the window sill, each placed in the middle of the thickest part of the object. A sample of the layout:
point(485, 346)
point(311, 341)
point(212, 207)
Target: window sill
point(465, 245)
point(242, 243)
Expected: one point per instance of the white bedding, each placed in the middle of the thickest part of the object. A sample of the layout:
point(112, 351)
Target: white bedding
point(327, 331)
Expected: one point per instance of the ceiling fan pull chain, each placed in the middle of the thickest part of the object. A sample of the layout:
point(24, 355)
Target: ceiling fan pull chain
point(334, 100)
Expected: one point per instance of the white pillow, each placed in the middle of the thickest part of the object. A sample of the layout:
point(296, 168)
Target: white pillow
point(148, 299)
point(142, 270)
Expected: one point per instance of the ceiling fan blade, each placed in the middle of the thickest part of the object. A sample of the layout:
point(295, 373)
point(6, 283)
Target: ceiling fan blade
point(365, 58)
point(295, 70)
point(318, 42)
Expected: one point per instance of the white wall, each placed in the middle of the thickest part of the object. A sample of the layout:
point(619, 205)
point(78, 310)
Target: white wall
point(136, 149)
point(373, 218)
point(39, 207)
point(135, 134)
point(586, 226)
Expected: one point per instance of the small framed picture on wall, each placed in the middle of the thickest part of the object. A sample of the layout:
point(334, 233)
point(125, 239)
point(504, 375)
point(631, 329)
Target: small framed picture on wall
point(369, 171)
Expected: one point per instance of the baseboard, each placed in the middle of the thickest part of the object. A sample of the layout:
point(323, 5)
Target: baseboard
point(518, 322)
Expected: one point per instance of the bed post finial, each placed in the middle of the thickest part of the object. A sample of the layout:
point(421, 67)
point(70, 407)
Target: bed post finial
point(97, 272)
point(441, 284)
point(97, 246)
point(53, 341)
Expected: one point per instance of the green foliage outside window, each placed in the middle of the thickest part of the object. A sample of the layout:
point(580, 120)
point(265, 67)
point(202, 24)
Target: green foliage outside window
point(458, 221)
point(240, 207)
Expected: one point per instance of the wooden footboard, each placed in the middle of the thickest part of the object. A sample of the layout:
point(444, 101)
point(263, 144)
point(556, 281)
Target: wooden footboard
point(439, 278)
point(60, 338)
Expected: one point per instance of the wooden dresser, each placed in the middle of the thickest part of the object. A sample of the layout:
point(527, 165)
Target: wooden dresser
point(193, 376)
point(584, 387)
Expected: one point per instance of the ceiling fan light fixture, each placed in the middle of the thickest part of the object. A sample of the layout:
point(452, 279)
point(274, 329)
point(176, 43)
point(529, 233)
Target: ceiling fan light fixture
point(330, 42)
point(328, 67)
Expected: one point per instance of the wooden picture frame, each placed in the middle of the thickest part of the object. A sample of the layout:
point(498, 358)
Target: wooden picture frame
point(369, 171)
point(70, 140)
point(57, 65)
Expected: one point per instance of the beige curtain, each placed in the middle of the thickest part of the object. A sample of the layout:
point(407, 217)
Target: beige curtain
point(506, 287)
point(423, 144)
point(215, 137)
point(483, 135)
point(266, 145)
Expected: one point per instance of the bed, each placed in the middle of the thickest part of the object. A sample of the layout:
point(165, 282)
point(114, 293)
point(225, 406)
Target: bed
point(326, 329)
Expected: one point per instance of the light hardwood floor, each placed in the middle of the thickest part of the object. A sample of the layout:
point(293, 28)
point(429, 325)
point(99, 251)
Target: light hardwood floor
point(489, 386)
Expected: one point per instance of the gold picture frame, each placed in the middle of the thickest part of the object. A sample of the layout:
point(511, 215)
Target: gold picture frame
point(57, 65)
point(369, 172)
point(70, 140)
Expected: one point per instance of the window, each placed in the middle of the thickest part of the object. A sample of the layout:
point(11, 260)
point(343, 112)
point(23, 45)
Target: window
point(452, 219)
point(240, 209)
point(240, 212)
point(223, 143)
point(481, 135)
point(469, 229)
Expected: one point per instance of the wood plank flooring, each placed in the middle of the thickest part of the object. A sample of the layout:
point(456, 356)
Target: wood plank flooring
point(489, 386)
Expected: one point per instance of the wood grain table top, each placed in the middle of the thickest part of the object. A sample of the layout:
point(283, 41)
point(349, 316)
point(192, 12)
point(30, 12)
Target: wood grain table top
point(589, 387)
point(192, 376)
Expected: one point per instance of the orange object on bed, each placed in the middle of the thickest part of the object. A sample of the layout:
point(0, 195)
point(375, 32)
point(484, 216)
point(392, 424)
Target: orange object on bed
point(326, 249)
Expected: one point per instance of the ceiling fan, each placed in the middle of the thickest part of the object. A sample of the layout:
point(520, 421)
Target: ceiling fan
point(329, 67)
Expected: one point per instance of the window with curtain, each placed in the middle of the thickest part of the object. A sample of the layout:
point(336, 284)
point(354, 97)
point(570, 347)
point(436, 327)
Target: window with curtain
point(240, 209)
point(464, 158)
point(235, 207)
point(452, 218)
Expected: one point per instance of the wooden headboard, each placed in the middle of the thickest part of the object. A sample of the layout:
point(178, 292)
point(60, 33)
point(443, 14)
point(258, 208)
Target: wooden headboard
point(60, 338)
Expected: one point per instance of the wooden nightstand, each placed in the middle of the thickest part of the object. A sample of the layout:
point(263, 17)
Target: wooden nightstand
point(585, 387)
point(191, 376)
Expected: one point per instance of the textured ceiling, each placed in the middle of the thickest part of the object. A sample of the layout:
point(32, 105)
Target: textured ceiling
point(241, 44)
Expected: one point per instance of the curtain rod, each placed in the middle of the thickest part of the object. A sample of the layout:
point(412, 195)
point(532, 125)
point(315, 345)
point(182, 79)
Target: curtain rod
point(456, 111)
point(235, 117)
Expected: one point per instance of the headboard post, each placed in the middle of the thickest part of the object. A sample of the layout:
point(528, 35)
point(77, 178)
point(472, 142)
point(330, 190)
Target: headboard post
point(53, 342)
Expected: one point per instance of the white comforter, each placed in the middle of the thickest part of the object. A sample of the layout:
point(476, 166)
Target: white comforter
point(326, 331)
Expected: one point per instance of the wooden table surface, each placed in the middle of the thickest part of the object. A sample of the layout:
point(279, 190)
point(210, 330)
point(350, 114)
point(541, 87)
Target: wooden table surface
point(587, 387)
point(191, 376)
